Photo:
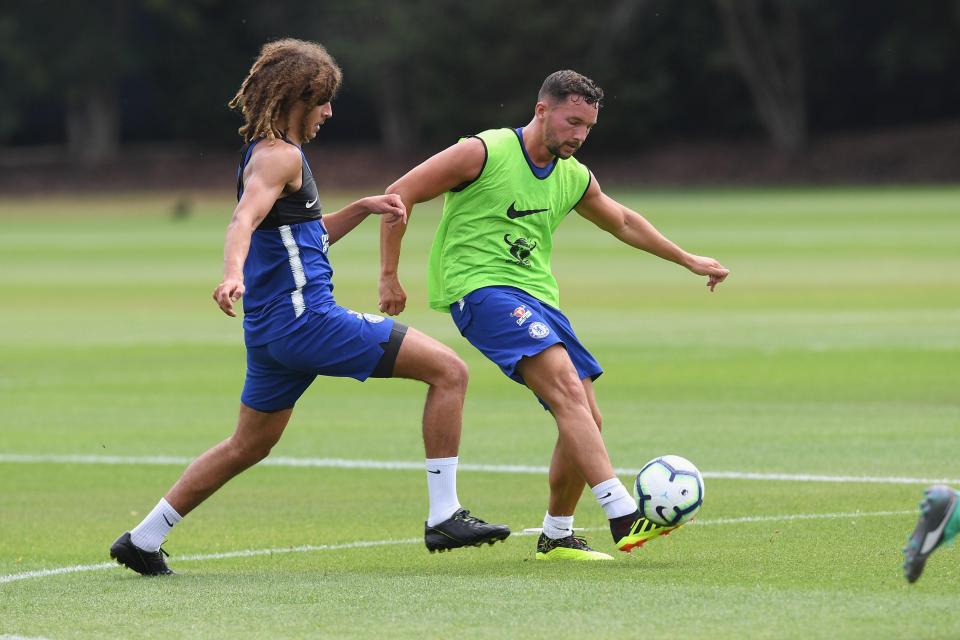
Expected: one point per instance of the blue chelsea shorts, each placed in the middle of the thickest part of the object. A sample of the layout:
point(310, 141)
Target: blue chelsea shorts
point(337, 342)
point(507, 324)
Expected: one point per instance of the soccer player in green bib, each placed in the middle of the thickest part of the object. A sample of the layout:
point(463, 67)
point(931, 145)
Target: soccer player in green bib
point(507, 190)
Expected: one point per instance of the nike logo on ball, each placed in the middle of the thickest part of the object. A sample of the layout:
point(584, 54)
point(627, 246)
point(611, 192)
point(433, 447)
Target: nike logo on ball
point(513, 214)
point(432, 471)
point(312, 202)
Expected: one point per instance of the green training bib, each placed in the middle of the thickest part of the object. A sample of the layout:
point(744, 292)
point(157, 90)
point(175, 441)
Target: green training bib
point(498, 229)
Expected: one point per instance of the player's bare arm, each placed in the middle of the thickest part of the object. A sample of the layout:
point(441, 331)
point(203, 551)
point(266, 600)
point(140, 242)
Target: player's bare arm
point(438, 174)
point(272, 170)
point(389, 206)
point(633, 229)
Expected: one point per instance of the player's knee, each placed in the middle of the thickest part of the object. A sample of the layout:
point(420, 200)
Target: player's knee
point(252, 454)
point(454, 370)
point(565, 394)
point(249, 452)
point(261, 450)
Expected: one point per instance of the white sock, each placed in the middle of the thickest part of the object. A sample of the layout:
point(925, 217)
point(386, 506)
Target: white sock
point(149, 534)
point(614, 498)
point(442, 488)
point(556, 527)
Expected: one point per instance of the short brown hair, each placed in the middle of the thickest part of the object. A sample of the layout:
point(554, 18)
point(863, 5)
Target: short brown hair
point(561, 84)
point(286, 71)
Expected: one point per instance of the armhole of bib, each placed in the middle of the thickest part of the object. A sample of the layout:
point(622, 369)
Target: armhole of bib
point(585, 189)
point(486, 155)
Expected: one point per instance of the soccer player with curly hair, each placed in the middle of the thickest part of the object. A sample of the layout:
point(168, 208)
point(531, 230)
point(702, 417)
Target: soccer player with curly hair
point(275, 258)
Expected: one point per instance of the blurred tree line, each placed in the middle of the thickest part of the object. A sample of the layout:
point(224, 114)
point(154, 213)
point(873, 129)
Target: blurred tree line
point(92, 74)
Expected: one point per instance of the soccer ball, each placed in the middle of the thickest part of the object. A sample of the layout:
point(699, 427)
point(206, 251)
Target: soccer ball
point(669, 490)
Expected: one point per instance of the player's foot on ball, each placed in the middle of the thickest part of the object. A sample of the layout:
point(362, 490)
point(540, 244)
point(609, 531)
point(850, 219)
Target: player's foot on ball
point(463, 530)
point(147, 563)
point(569, 548)
point(634, 531)
point(938, 523)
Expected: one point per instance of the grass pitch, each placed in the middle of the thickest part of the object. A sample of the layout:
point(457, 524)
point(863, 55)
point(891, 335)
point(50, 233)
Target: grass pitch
point(832, 350)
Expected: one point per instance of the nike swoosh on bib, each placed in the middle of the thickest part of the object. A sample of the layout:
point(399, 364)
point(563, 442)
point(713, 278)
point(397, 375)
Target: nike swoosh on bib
point(512, 212)
point(312, 202)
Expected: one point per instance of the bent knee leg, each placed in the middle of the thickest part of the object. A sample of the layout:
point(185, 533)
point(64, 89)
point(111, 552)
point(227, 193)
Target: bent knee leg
point(564, 394)
point(428, 360)
point(455, 370)
point(257, 432)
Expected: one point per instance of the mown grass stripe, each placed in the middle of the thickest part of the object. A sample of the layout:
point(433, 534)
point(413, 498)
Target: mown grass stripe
point(362, 544)
point(345, 463)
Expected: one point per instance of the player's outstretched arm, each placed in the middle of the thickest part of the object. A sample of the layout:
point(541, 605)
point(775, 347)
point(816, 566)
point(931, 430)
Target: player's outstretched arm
point(269, 171)
point(633, 229)
point(390, 207)
point(440, 173)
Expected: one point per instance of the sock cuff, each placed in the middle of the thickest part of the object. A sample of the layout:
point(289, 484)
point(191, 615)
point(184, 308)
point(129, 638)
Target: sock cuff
point(558, 520)
point(606, 485)
point(169, 510)
point(442, 462)
point(557, 527)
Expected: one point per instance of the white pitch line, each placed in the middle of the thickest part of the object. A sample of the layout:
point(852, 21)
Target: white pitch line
point(810, 477)
point(805, 516)
point(362, 544)
point(249, 553)
point(402, 465)
point(245, 553)
point(43, 573)
point(753, 519)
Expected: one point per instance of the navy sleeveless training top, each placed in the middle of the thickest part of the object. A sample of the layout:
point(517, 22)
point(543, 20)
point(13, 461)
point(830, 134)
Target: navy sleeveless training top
point(286, 271)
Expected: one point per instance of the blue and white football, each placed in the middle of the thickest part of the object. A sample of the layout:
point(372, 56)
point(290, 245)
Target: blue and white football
point(669, 490)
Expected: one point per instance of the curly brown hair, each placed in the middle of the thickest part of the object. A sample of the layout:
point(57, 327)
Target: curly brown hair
point(286, 70)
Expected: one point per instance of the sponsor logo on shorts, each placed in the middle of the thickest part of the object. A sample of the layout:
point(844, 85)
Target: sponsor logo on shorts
point(521, 314)
point(461, 302)
point(372, 317)
point(355, 314)
point(539, 330)
point(325, 243)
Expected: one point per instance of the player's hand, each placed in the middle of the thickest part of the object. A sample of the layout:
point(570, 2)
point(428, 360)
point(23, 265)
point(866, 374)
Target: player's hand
point(393, 299)
point(389, 206)
point(703, 266)
point(228, 292)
